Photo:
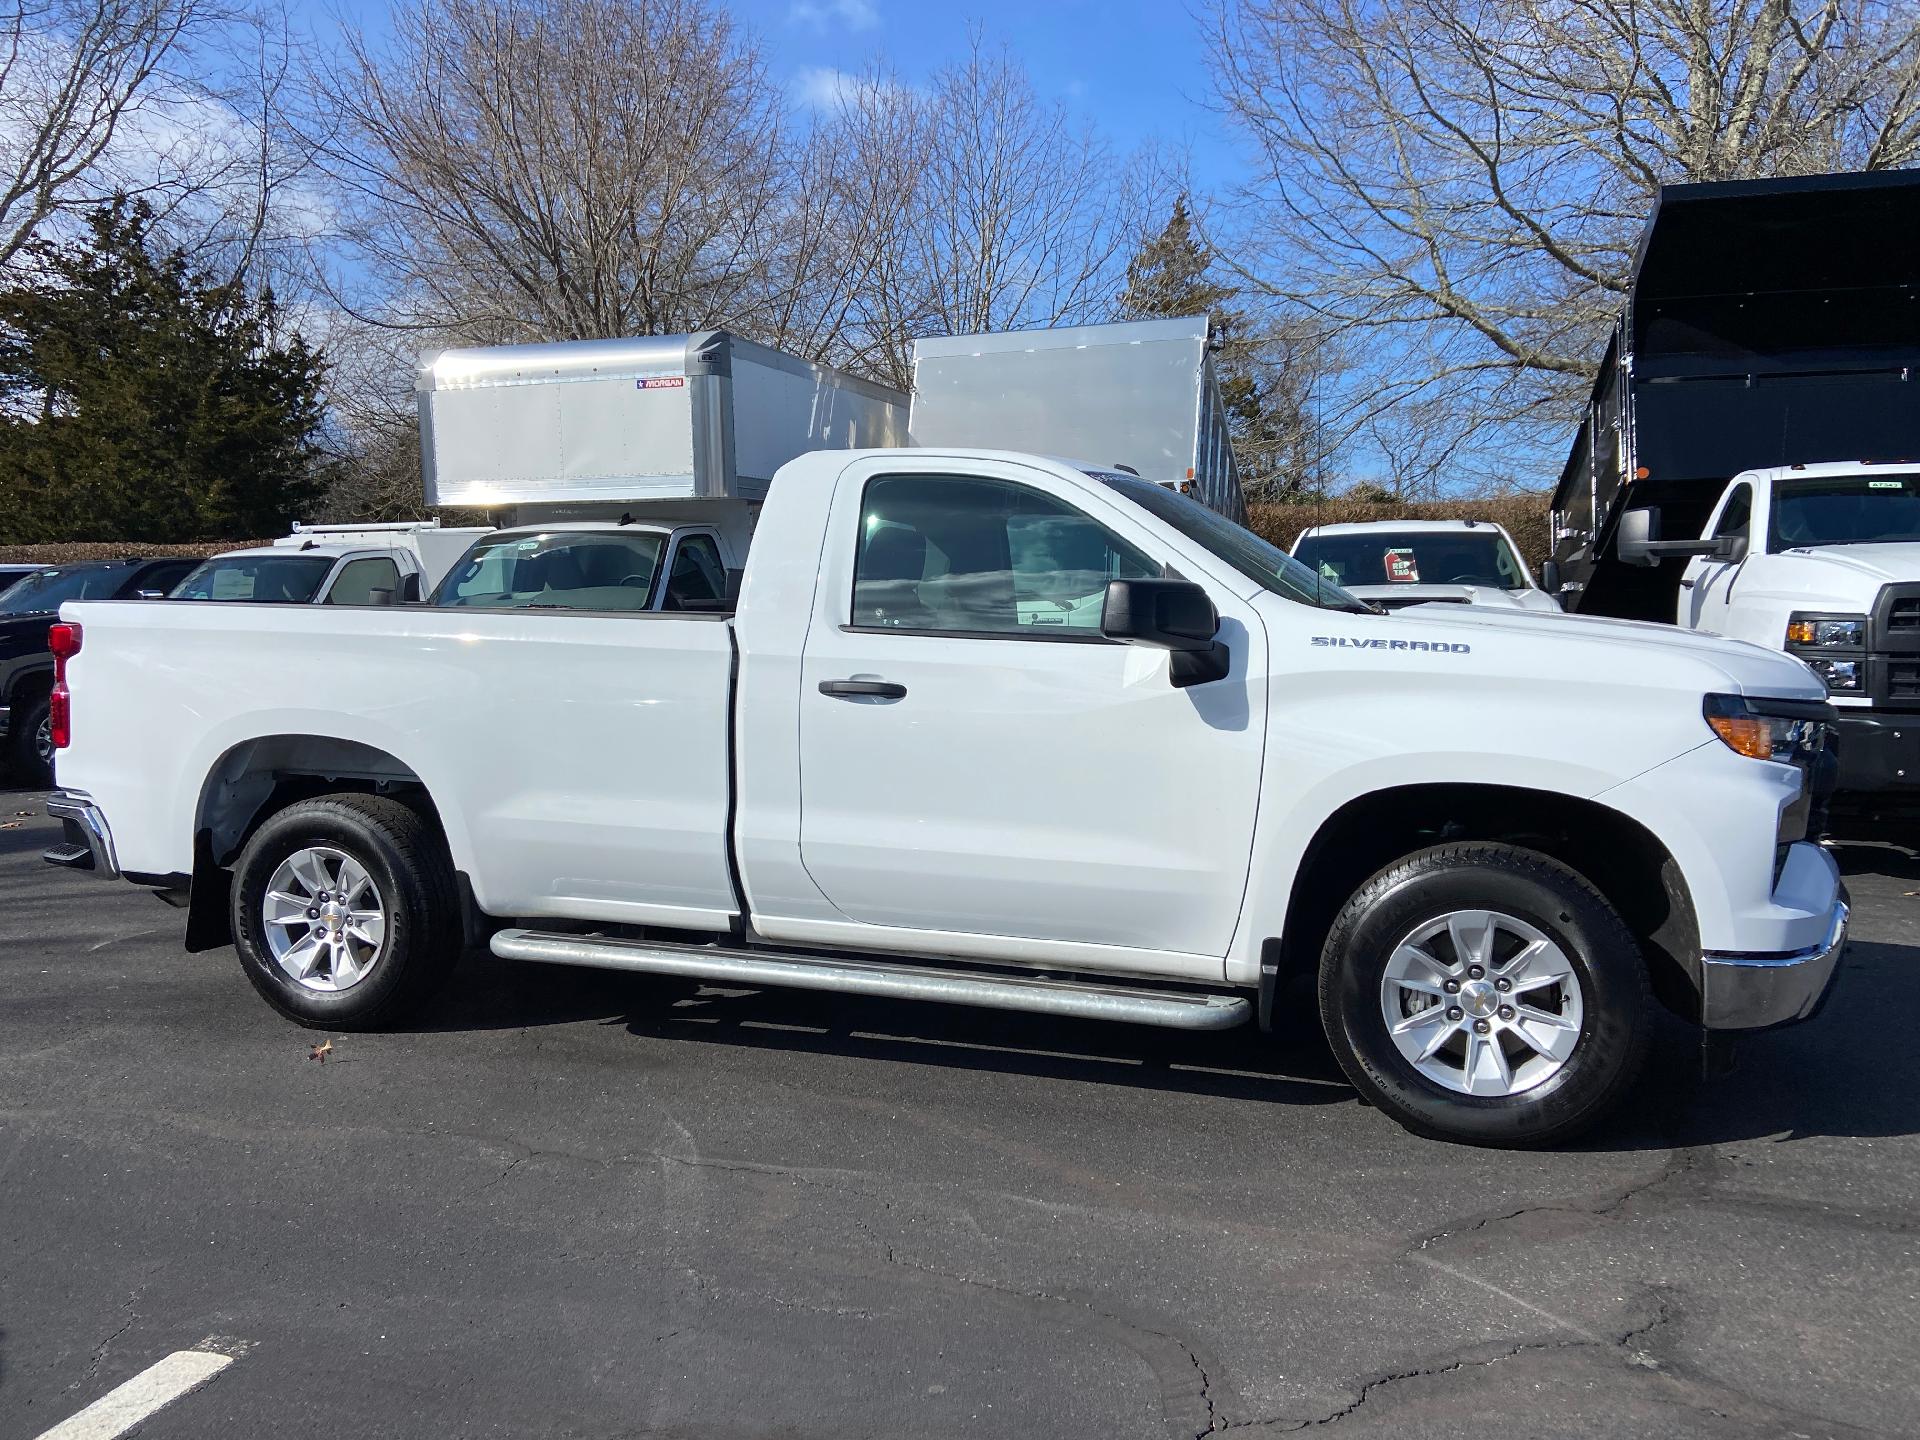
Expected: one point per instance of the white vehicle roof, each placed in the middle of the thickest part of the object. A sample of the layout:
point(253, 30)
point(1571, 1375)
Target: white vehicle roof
point(650, 527)
point(325, 552)
point(1829, 468)
point(1361, 526)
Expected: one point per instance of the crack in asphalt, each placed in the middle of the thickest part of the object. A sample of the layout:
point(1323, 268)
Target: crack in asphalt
point(1175, 1388)
point(100, 1350)
point(1682, 1164)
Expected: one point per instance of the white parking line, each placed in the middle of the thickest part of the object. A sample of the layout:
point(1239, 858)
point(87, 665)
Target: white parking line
point(124, 1407)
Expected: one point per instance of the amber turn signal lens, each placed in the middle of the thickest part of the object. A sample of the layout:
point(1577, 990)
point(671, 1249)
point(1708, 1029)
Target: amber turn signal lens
point(1800, 632)
point(1751, 737)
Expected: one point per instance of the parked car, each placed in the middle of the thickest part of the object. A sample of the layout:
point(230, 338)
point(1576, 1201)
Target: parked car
point(333, 565)
point(27, 608)
point(1822, 561)
point(12, 575)
point(994, 729)
point(1396, 563)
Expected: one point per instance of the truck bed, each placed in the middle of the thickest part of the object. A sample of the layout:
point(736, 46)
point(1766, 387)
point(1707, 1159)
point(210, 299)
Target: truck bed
point(508, 719)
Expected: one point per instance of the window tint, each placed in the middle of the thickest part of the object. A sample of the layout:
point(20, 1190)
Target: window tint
point(1413, 557)
point(557, 570)
point(1738, 515)
point(697, 577)
point(263, 579)
point(163, 577)
point(984, 556)
point(48, 590)
point(358, 580)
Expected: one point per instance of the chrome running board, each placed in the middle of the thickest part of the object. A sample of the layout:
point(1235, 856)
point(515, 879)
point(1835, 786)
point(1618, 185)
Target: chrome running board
point(894, 980)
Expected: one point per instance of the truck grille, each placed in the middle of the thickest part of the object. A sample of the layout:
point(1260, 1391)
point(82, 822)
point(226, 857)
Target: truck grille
point(1903, 679)
point(1903, 615)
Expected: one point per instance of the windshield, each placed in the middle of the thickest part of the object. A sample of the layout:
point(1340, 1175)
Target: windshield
point(1270, 566)
point(588, 570)
point(1845, 510)
point(262, 579)
point(45, 591)
point(1414, 557)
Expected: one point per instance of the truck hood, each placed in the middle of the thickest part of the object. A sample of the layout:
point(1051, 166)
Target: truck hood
point(1748, 669)
point(1849, 564)
point(1396, 597)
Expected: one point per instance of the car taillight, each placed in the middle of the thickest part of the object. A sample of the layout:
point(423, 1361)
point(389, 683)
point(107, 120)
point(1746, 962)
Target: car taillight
point(64, 641)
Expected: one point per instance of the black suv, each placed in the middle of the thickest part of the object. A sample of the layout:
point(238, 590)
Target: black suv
point(26, 665)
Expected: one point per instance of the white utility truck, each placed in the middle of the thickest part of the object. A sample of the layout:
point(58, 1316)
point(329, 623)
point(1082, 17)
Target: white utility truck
point(1822, 561)
point(333, 565)
point(1397, 563)
point(985, 728)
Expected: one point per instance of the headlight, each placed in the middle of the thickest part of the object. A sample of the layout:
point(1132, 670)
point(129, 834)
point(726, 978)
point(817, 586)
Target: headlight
point(1789, 732)
point(1826, 632)
point(1840, 675)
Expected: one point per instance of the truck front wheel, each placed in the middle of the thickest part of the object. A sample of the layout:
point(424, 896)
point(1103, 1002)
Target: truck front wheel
point(345, 912)
point(1486, 994)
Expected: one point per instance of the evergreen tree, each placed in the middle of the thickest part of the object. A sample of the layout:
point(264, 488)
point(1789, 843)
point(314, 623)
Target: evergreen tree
point(1176, 274)
point(141, 401)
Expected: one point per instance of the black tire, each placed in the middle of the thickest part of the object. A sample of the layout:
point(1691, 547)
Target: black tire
point(406, 859)
point(30, 768)
point(1606, 960)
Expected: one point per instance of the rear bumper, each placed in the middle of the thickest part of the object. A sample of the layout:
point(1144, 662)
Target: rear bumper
point(1753, 992)
point(88, 843)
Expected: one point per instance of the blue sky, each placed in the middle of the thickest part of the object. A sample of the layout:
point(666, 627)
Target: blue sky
point(1134, 67)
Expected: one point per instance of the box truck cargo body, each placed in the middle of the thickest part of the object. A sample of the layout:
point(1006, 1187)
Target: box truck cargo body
point(1141, 395)
point(665, 417)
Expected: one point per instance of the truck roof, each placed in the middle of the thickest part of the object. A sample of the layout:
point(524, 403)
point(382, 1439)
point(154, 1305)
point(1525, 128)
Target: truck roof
point(1361, 526)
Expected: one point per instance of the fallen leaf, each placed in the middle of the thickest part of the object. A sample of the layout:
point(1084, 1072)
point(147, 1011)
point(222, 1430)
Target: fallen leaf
point(320, 1052)
point(25, 814)
point(10, 825)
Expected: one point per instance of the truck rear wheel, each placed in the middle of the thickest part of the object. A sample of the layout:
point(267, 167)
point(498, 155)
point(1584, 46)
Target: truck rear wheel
point(1486, 994)
point(30, 738)
point(345, 912)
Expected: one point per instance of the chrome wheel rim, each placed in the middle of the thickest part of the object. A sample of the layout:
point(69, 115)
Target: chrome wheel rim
point(1482, 1003)
point(325, 920)
point(43, 739)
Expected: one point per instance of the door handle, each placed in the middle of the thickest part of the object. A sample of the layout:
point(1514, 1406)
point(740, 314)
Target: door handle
point(879, 689)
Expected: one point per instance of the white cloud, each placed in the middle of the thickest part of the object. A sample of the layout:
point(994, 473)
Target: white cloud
point(821, 87)
point(834, 14)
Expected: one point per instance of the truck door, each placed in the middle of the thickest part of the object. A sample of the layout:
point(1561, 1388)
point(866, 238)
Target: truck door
point(977, 759)
point(1709, 579)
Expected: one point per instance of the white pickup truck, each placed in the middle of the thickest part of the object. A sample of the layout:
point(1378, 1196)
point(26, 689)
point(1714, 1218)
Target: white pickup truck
point(1823, 562)
point(993, 729)
point(333, 565)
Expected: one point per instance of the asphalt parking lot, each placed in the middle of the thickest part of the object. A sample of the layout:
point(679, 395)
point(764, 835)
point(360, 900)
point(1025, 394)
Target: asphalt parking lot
point(576, 1204)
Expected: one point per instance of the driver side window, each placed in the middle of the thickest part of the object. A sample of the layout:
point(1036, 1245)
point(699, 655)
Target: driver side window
point(1737, 515)
point(987, 557)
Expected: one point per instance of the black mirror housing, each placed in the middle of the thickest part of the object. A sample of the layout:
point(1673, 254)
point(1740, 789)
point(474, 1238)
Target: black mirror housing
point(1550, 576)
point(1173, 615)
point(1167, 614)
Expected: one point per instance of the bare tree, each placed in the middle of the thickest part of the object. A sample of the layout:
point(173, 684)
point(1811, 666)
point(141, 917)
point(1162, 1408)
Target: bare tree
point(1454, 187)
point(79, 79)
point(557, 168)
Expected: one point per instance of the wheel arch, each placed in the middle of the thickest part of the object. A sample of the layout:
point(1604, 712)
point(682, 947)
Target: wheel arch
point(257, 778)
point(1620, 857)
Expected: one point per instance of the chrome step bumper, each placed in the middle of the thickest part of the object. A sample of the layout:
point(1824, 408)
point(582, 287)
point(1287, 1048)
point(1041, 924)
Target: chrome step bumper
point(88, 842)
point(1752, 992)
point(1081, 1000)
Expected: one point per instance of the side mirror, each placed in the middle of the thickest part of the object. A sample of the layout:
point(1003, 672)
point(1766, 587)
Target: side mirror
point(1639, 529)
point(410, 590)
point(1730, 547)
point(1173, 615)
point(1638, 541)
point(1550, 576)
point(381, 595)
point(149, 594)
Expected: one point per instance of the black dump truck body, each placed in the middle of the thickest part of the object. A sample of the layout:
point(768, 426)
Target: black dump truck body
point(1772, 322)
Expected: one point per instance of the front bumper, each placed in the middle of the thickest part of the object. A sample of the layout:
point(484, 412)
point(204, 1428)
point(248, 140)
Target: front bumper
point(1752, 992)
point(88, 843)
point(1878, 751)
